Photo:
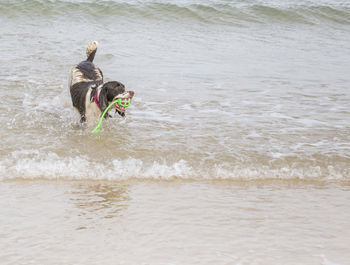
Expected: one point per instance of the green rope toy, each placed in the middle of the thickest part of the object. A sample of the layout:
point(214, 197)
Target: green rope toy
point(123, 102)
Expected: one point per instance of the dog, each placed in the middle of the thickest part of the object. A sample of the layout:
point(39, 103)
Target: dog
point(90, 95)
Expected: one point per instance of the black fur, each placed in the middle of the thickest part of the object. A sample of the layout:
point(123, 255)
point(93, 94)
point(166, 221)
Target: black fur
point(78, 93)
point(90, 71)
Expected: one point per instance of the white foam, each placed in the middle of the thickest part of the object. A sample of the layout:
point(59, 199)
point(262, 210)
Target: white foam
point(33, 164)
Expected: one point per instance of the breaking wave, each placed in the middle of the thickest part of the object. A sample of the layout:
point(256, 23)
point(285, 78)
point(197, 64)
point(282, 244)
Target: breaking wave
point(238, 13)
point(33, 164)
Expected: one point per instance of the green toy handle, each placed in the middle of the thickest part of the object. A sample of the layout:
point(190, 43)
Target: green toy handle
point(98, 127)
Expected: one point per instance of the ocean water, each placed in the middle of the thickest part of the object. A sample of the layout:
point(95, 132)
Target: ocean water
point(235, 149)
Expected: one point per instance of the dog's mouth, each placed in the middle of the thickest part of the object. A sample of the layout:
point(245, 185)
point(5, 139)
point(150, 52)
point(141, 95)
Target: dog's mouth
point(120, 109)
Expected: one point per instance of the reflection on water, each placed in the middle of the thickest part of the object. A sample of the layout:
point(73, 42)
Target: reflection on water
point(108, 200)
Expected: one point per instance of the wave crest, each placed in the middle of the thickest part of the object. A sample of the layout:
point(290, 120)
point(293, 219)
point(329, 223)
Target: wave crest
point(230, 13)
point(32, 164)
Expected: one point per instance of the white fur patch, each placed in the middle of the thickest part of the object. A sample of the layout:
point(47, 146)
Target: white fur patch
point(76, 76)
point(92, 111)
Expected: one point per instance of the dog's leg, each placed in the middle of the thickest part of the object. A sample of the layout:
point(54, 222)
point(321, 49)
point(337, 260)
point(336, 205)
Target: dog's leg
point(82, 119)
point(82, 115)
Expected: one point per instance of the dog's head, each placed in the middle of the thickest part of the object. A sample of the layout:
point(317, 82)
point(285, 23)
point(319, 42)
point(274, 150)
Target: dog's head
point(111, 91)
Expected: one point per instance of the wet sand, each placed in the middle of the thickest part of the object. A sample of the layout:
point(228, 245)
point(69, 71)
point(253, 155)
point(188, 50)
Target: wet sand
point(175, 222)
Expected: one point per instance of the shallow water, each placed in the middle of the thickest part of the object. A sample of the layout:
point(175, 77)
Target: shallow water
point(247, 96)
point(266, 98)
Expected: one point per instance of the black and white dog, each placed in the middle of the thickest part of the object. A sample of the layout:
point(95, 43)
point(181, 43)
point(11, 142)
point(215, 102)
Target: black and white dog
point(90, 95)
